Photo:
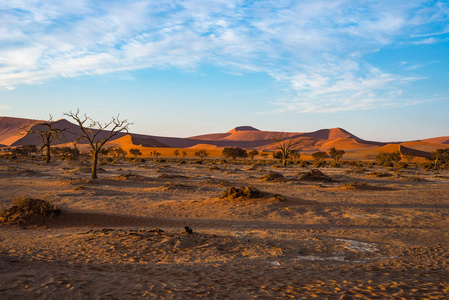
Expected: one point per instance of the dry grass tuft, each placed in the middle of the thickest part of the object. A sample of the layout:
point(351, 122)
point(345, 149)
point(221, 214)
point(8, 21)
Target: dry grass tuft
point(249, 192)
point(314, 175)
point(273, 176)
point(27, 210)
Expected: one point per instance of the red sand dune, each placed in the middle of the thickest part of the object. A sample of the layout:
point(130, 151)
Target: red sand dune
point(243, 136)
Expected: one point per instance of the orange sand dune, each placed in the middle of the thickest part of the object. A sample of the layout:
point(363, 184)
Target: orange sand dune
point(245, 137)
point(126, 143)
point(346, 143)
point(10, 129)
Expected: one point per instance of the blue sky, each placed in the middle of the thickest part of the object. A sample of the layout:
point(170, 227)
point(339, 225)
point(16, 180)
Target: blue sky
point(379, 69)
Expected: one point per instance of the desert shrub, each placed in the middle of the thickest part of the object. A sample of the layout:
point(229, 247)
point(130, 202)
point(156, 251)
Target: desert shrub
point(319, 156)
point(427, 166)
point(334, 164)
point(319, 163)
point(198, 162)
point(353, 185)
point(368, 164)
point(279, 198)
point(386, 159)
point(314, 174)
point(214, 168)
point(355, 170)
point(303, 163)
point(350, 163)
point(401, 165)
point(182, 162)
point(379, 174)
point(253, 167)
point(26, 209)
point(336, 154)
point(222, 161)
point(415, 178)
point(241, 192)
point(234, 152)
point(273, 176)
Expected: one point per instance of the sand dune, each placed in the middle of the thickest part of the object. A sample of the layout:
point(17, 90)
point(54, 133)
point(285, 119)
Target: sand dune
point(440, 140)
point(243, 136)
point(10, 129)
point(204, 146)
point(346, 144)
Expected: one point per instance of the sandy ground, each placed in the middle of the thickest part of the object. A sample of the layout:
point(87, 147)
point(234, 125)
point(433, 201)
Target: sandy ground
point(123, 235)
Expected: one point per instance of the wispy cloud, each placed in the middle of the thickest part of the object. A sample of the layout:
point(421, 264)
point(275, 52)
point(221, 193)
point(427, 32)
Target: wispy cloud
point(316, 47)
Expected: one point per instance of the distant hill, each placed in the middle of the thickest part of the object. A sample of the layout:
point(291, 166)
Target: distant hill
point(242, 136)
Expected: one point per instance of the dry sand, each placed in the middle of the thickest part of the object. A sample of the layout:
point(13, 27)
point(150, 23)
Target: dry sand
point(123, 235)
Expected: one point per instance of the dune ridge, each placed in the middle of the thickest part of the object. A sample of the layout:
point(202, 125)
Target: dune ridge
point(242, 136)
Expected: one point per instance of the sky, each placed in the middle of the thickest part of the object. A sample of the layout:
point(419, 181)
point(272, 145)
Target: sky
point(379, 69)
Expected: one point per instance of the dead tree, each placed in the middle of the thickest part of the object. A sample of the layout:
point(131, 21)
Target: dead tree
point(47, 133)
point(285, 146)
point(96, 134)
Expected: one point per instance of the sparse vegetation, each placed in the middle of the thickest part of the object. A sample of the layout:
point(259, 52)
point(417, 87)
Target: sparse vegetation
point(354, 185)
point(319, 158)
point(336, 154)
point(95, 134)
point(248, 192)
point(253, 153)
point(234, 153)
point(136, 152)
point(201, 154)
point(47, 133)
point(27, 210)
point(285, 147)
point(314, 175)
point(386, 159)
point(273, 176)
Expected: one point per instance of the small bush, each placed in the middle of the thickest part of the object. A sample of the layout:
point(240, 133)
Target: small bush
point(354, 185)
point(273, 176)
point(427, 166)
point(334, 164)
point(242, 192)
point(303, 163)
point(314, 175)
point(319, 163)
point(26, 210)
point(351, 163)
point(355, 170)
point(401, 165)
point(182, 162)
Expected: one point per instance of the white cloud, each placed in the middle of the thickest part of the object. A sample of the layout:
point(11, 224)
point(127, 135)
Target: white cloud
point(316, 46)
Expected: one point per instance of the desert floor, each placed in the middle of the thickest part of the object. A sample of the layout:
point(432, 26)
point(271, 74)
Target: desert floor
point(123, 235)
